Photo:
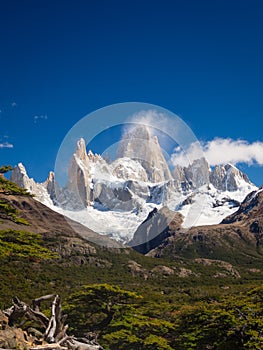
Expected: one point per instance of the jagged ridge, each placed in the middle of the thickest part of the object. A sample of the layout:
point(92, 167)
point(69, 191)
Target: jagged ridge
point(139, 180)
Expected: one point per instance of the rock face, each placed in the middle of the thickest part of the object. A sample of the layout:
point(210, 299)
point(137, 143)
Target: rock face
point(128, 169)
point(238, 238)
point(227, 178)
point(45, 192)
point(136, 182)
point(20, 177)
point(193, 176)
point(138, 144)
point(79, 174)
point(139, 174)
point(50, 184)
point(81, 168)
point(250, 209)
point(222, 177)
point(124, 196)
point(154, 229)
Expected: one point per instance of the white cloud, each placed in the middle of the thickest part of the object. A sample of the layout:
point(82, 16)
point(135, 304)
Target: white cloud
point(151, 118)
point(185, 157)
point(222, 151)
point(40, 117)
point(167, 126)
point(6, 145)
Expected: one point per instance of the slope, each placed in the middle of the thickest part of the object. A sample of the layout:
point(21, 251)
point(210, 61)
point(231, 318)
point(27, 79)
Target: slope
point(44, 255)
point(238, 239)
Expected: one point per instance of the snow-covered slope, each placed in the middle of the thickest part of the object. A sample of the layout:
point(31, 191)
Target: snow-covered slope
point(208, 205)
point(114, 198)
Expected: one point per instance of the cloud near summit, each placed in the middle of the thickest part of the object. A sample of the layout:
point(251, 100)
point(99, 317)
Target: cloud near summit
point(221, 151)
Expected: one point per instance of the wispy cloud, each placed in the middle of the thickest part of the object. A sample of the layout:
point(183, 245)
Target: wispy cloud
point(157, 122)
point(221, 151)
point(40, 117)
point(6, 145)
point(163, 124)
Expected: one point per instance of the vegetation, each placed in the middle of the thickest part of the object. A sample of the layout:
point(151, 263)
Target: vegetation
point(132, 301)
point(99, 304)
point(10, 188)
point(5, 169)
point(233, 322)
point(7, 211)
point(131, 312)
point(21, 244)
point(7, 187)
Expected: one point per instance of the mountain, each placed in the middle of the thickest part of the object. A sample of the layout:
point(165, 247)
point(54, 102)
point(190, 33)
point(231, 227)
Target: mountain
point(238, 239)
point(212, 269)
point(42, 251)
point(44, 192)
point(123, 192)
point(251, 209)
point(138, 143)
point(155, 229)
point(43, 220)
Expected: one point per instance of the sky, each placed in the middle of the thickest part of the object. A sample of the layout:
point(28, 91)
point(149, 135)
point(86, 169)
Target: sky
point(61, 60)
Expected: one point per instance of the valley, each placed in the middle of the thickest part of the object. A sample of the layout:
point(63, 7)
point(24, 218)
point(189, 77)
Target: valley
point(214, 271)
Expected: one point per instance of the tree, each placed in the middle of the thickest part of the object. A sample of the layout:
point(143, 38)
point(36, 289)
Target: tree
point(234, 323)
point(93, 307)
point(5, 168)
point(117, 317)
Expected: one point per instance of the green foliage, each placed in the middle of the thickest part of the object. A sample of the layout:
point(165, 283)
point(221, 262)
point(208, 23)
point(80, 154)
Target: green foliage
point(7, 211)
point(153, 342)
point(116, 314)
point(231, 324)
point(21, 244)
point(209, 308)
point(94, 306)
point(8, 187)
point(225, 323)
point(134, 330)
point(5, 168)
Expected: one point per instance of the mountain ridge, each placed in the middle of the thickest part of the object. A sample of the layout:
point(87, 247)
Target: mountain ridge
point(105, 190)
point(238, 238)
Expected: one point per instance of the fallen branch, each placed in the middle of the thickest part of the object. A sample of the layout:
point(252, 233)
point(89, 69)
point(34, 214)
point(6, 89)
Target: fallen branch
point(55, 346)
point(55, 335)
point(54, 323)
point(37, 302)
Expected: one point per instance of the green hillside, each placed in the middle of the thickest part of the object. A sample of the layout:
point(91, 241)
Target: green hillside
point(129, 300)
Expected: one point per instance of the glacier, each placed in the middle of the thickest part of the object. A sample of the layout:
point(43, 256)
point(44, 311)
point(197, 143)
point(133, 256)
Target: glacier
point(114, 198)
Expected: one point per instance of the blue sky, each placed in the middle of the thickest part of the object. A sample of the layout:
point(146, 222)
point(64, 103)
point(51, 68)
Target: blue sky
point(61, 60)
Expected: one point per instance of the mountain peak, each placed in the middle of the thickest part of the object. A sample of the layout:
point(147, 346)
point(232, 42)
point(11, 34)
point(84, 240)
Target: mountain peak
point(81, 152)
point(138, 179)
point(139, 145)
point(51, 176)
point(138, 131)
point(21, 168)
point(228, 178)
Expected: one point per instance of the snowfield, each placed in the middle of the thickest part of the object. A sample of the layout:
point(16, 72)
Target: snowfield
point(114, 198)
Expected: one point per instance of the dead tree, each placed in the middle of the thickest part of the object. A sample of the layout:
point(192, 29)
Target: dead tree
point(55, 335)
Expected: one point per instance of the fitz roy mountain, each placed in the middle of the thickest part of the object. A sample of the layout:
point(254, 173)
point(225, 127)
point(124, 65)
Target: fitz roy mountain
point(115, 198)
